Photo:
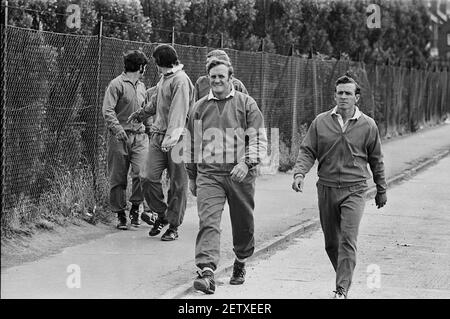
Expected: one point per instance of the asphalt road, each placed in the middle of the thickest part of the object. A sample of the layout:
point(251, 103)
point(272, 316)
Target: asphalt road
point(403, 252)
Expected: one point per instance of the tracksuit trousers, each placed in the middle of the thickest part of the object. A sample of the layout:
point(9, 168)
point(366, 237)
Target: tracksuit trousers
point(340, 211)
point(122, 155)
point(212, 192)
point(157, 161)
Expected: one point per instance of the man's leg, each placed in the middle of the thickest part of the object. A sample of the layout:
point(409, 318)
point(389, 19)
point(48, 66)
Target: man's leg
point(118, 165)
point(154, 166)
point(352, 207)
point(138, 155)
point(151, 182)
point(330, 221)
point(210, 203)
point(241, 201)
point(177, 193)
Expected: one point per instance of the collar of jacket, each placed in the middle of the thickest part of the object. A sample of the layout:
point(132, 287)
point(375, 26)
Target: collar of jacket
point(174, 69)
point(354, 117)
point(212, 97)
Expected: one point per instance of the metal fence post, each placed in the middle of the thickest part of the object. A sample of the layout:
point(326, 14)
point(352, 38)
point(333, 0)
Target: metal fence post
point(97, 102)
point(173, 36)
point(295, 97)
point(4, 63)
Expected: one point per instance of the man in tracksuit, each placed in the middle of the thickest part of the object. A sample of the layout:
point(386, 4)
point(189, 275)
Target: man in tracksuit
point(228, 140)
point(127, 143)
point(202, 85)
point(343, 140)
point(170, 106)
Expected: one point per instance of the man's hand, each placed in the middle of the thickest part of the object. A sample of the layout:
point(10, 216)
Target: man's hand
point(193, 187)
point(135, 117)
point(122, 136)
point(380, 199)
point(297, 185)
point(239, 172)
point(167, 145)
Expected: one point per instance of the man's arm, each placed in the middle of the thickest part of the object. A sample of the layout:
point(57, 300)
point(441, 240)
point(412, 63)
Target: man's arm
point(308, 151)
point(376, 163)
point(256, 133)
point(190, 160)
point(178, 112)
point(108, 109)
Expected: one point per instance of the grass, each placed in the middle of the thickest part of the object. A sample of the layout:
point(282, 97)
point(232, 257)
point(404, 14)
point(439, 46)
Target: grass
point(71, 198)
point(289, 150)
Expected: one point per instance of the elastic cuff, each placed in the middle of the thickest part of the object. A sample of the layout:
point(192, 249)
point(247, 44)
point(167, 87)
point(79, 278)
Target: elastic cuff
point(299, 174)
point(207, 265)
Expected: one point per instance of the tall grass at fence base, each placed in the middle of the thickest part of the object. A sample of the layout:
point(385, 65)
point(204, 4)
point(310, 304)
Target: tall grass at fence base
point(71, 198)
point(289, 149)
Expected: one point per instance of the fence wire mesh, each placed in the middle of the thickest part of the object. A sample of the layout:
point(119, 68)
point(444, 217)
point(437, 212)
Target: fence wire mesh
point(55, 85)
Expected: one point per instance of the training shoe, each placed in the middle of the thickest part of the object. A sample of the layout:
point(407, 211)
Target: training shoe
point(170, 234)
point(160, 223)
point(149, 217)
point(339, 293)
point(134, 216)
point(238, 276)
point(205, 282)
point(122, 221)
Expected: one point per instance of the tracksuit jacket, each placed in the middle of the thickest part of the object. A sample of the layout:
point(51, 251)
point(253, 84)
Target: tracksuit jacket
point(342, 156)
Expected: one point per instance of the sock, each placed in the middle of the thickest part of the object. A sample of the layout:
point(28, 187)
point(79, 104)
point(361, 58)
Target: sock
point(207, 268)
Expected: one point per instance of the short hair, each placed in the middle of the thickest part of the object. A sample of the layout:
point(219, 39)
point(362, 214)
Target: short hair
point(219, 54)
point(165, 56)
point(347, 79)
point(132, 60)
point(215, 62)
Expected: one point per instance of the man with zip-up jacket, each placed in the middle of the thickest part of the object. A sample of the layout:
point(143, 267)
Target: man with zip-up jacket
point(344, 141)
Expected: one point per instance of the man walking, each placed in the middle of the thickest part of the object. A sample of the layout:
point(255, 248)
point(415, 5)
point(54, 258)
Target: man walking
point(127, 143)
point(226, 171)
point(343, 140)
point(173, 100)
point(202, 85)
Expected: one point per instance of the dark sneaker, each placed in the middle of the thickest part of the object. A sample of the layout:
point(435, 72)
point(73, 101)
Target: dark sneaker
point(149, 217)
point(170, 234)
point(160, 223)
point(122, 221)
point(238, 276)
point(339, 293)
point(134, 216)
point(205, 282)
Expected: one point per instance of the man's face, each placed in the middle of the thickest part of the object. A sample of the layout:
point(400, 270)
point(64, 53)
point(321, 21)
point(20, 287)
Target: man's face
point(219, 79)
point(345, 96)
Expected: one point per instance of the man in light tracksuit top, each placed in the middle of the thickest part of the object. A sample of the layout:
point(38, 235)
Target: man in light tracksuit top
point(228, 140)
point(343, 140)
point(170, 106)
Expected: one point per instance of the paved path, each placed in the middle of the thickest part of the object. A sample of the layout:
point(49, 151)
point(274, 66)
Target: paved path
point(403, 251)
point(129, 264)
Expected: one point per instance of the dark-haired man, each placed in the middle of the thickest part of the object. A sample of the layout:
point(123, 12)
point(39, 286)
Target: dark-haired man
point(127, 143)
point(172, 102)
point(343, 140)
point(227, 128)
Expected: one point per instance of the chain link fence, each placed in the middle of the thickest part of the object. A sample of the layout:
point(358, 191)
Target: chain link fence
point(54, 86)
